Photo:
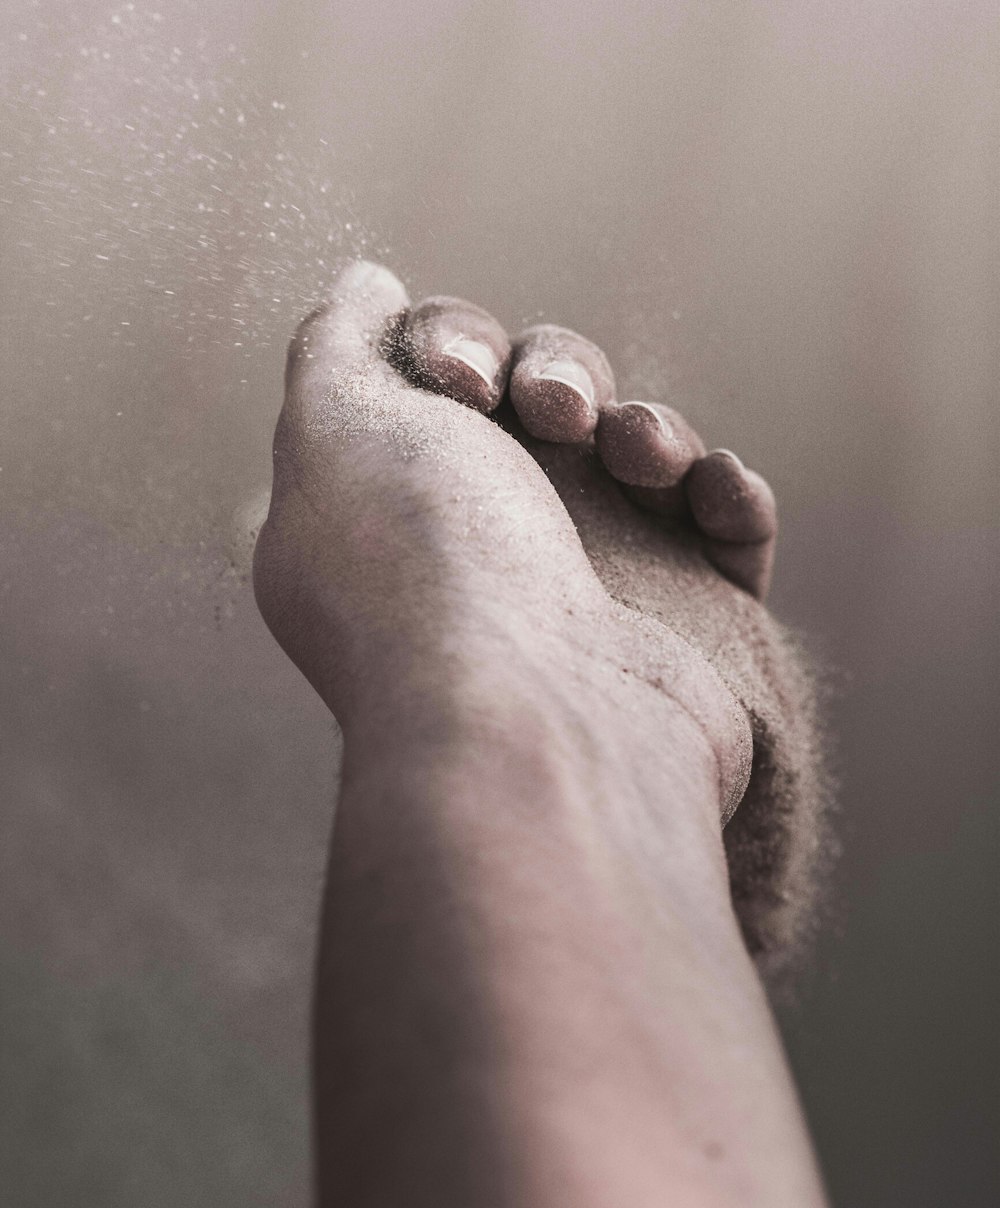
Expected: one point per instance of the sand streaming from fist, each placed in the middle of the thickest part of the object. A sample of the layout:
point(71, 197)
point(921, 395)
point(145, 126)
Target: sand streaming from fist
point(132, 143)
point(166, 223)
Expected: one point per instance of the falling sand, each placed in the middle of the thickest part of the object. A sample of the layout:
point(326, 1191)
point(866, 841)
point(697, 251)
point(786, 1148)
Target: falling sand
point(171, 227)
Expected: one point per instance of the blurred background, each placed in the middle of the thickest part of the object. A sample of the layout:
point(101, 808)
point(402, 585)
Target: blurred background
point(780, 217)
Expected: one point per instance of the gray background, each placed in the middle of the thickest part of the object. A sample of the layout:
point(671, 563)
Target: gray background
point(781, 217)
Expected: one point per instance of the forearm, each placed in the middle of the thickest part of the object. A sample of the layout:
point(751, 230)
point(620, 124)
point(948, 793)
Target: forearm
point(522, 1000)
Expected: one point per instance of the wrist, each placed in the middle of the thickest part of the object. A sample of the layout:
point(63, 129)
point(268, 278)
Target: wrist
point(532, 752)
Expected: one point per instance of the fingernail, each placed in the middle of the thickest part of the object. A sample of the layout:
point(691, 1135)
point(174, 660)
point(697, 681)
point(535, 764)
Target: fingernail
point(572, 374)
point(666, 428)
point(730, 454)
point(477, 356)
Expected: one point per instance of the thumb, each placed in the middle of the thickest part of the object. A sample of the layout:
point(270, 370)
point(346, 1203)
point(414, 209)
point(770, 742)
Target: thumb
point(339, 342)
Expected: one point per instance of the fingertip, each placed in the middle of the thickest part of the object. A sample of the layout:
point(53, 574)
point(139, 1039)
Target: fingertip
point(730, 502)
point(455, 348)
point(346, 329)
point(559, 382)
point(646, 444)
point(368, 288)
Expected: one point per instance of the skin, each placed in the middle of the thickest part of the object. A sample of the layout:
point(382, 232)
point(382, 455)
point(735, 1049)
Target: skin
point(532, 988)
